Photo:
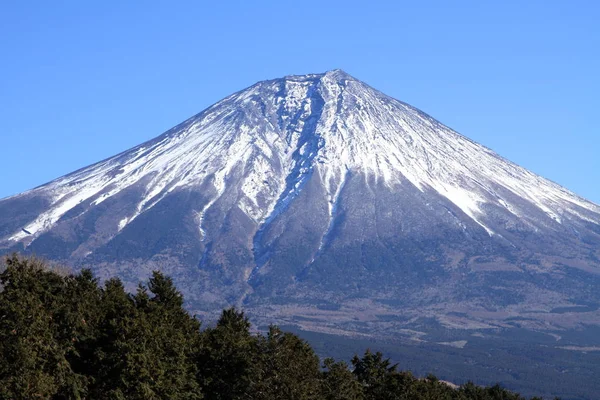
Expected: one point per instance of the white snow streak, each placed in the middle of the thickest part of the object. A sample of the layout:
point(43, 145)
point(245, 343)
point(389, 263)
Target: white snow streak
point(252, 134)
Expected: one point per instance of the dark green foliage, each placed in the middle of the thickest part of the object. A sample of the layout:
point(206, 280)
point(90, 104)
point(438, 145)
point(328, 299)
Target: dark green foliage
point(379, 377)
point(109, 361)
point(289, 368)
point(227, 359)
point(63, 336)
point(339, 383)
point(146, 344)
point(471, 391)
point(38, 333)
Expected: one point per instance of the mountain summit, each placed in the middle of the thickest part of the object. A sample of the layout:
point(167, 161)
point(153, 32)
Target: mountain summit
point(319, 197)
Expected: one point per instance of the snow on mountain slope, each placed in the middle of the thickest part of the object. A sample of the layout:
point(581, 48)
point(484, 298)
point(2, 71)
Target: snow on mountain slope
point(318, 197)
point(277, 133)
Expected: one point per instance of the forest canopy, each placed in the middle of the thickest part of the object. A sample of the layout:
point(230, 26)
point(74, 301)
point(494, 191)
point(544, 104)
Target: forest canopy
point(67, 336)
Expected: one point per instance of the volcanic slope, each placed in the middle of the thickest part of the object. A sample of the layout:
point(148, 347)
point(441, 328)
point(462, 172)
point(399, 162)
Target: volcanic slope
point(320, 201)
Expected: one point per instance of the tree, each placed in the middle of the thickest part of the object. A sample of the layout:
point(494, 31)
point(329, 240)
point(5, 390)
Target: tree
point(77, 319)
point(338, 382)
point(34, 340)
point(111, 348)
point(381, 380)
point(62, 336)
point(289, 367)
point(176, 339)
point(228, 358)
point(147, 344)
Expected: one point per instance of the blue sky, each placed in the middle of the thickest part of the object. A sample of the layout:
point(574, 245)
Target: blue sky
point(81, 81)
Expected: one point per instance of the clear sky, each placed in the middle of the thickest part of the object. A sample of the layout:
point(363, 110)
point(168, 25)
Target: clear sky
point(81, 81)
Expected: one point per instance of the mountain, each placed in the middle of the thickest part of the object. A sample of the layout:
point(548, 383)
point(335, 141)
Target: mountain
point(320, 202)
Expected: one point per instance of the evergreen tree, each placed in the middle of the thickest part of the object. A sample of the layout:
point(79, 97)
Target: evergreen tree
point(228, 358)
point(176, 339)
point(289, 368)
point(147, 344)
point(472, 391)
point(77, 319)
point(338, 382)
point(34, 338)
point(431, 388)
point(111, 350)
point(373, 372)
point(62, 336)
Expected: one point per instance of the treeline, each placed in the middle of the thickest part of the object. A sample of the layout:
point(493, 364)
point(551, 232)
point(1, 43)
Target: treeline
point(65, 336)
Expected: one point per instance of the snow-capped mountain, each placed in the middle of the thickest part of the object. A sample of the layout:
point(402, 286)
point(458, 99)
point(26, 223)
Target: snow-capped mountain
point(319, 195)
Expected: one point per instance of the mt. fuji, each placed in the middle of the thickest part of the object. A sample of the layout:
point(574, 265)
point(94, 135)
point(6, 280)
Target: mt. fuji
point(320, 202)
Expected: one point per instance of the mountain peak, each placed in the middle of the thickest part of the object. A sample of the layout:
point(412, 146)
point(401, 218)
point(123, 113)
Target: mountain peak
point(277, 133)
point(338, 75)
